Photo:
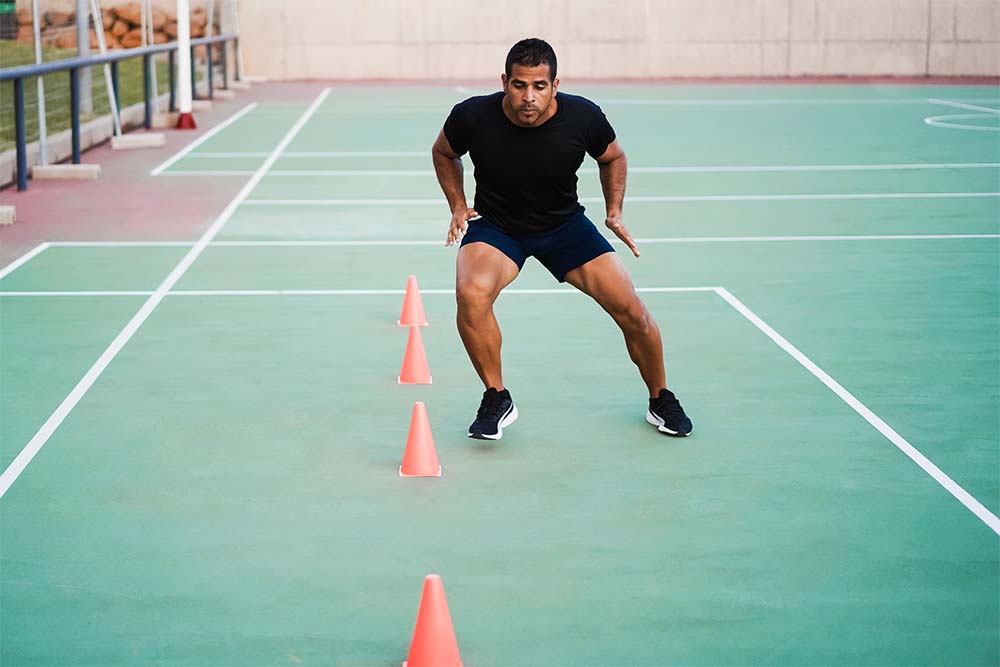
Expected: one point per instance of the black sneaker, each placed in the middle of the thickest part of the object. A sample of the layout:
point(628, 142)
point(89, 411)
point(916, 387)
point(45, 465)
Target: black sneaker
point(667, 415)
point(496, 411)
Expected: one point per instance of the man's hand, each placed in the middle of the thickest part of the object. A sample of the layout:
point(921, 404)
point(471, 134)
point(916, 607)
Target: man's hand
point(459, 223)
point(614, 223)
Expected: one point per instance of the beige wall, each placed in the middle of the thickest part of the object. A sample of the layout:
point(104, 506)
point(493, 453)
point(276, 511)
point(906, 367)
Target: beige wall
point(466, 39)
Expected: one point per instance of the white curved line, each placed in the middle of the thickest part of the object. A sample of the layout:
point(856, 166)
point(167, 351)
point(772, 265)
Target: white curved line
point(963, 105)
point(937, 121)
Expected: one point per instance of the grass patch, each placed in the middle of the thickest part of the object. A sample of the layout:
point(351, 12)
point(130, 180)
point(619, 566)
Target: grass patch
point(57, 115)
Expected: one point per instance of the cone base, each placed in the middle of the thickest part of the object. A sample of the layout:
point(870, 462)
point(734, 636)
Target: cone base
point(411, 325)
point(399, 380)
point(402, 474)
point(185, 121)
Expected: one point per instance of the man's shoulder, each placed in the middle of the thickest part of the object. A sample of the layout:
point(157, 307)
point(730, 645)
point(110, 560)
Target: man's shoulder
point(477, 104)
point(577, 103)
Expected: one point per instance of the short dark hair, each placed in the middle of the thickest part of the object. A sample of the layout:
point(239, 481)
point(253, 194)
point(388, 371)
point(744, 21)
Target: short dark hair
point(532, 52)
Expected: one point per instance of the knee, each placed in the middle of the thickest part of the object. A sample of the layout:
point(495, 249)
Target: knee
point(634, 317)
point(475, 294)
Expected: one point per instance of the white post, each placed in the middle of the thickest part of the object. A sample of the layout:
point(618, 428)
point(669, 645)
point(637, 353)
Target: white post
point(43, 138)
point(99, 30)
point(185, 120)
point(146, 27)
point(208, 33)
point(83, 50)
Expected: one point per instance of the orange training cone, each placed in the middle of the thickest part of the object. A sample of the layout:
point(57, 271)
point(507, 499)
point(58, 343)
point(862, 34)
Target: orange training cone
point(434, 643)
point(420, 458)
point(415, 369)
point(412, 314)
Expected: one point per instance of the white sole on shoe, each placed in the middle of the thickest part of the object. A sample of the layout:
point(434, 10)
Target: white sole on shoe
point(659, 424)
point(507, 420)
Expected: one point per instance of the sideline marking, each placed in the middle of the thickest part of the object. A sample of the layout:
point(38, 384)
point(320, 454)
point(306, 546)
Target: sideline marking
point(21, 461)
point(202, 139)
point(24, 259)
point(599, 200)
point(895, 438)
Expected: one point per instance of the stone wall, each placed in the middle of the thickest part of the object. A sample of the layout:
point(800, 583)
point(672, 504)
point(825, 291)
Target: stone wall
point(121, 20)
point(466, 39)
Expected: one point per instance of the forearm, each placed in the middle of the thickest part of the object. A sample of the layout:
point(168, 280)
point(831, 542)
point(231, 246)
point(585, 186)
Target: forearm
point(450, 175)
point(613, 175)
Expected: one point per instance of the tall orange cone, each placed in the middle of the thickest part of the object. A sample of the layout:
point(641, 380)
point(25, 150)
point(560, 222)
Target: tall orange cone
point(434, 643)
point(420, 458)
point(415, 369)
point(412, 314)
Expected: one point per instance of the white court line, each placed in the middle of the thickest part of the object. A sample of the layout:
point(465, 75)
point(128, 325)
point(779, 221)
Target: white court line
point(209, 172)
point(338, 292)
point(707, 169)
point(963, 105)
point(941, 121)
point(665, 239)
point(78, 293)
point(202, 139)
point(206, 155)
point(117, 244)
point(948, 483)
point(596, 200)
point(20, 462)
point(311, 154)
point(399, 292)
point(24, 259)
point(916, 456)
point(632, 170)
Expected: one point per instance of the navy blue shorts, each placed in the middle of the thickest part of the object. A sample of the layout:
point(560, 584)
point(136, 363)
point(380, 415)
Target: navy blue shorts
point(565, 248)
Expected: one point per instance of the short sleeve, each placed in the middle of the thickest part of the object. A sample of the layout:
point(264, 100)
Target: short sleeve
point(457, 129)
point(601, 134)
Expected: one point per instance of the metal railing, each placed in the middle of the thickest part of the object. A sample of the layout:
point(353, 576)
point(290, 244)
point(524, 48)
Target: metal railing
point(73, 66)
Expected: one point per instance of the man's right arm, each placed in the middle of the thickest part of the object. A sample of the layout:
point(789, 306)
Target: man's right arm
point(450, 175)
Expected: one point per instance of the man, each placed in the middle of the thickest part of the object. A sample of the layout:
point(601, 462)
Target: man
point(526, 143)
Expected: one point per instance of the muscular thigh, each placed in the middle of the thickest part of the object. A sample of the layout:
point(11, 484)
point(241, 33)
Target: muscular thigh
point(606, 280)
point(483, 270)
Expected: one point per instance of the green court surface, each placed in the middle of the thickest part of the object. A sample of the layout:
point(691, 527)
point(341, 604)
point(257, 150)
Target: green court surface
point(222, 487)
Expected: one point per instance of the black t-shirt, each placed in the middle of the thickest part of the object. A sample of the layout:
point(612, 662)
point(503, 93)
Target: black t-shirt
point(526, 176)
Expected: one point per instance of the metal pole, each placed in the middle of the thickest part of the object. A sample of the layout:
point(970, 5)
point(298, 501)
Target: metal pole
point(225, 65)
point(115, 118)
point(43, 135)
point(148, 38)
point(194, 87)
point(83, 50)
point(147, 91)
point(208, 57)
point(208, 47)
point(173, 82)
point(238, 67)
point(74, 111)
point(20, 139)
point(114, 83)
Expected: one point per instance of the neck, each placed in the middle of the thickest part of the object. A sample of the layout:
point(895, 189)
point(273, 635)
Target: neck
point(508, 110)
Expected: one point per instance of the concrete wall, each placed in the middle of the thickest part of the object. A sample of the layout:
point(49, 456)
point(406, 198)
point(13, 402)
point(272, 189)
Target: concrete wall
point(441, 39)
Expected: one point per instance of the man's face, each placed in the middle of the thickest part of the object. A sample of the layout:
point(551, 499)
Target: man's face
point(529, 93)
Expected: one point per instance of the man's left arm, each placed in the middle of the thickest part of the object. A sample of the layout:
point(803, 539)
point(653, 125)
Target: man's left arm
point(613, 168)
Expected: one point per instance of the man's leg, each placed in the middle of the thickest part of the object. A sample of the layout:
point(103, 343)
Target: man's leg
point(606, 280)
point(482, 272)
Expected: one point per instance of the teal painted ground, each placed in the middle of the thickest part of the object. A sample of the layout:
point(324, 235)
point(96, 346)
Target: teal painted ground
point(226, 492)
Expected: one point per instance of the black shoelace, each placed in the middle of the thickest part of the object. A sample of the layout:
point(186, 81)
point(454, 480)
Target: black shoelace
point(667, 404)
point(490, 408)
